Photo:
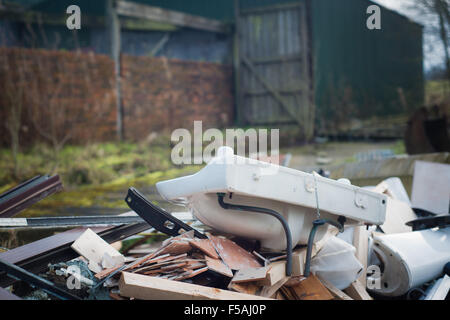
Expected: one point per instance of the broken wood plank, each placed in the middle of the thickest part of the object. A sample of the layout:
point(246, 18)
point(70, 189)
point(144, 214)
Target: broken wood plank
point(116, 296)
point(248, 288)
point(361, 243)
point(250, 274)
point(95, 249)
point(205, 246)
point(309, 289)
point(151, 288)
point(287, 293)
point(165, 258)
point(157, 265)
point(276, 272)
point(218, 266)
point(187, 236)
point(357, 291)
point(105, 272)
point(152, 13)
point(191, 273)
point(234, 256)
point(338, 294)
point(270, 290)
point(176, 247)
point(298, 262)
point(173, 266)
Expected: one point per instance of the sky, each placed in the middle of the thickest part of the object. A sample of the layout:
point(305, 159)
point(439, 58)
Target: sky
point(433, 49)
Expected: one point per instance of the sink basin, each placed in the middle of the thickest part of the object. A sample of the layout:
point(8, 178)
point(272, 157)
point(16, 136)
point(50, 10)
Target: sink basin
point(290, 192)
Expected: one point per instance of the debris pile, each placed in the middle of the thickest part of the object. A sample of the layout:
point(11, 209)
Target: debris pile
point(376, 243)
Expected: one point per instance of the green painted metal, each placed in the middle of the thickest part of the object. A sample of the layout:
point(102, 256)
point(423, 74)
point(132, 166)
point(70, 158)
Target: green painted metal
point(361, 73)
point(358, 73)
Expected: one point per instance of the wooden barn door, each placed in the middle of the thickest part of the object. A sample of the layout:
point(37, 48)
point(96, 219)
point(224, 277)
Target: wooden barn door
point(272, 68)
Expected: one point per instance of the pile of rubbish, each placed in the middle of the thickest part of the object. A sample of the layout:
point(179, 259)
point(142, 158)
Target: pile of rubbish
point(255, 230)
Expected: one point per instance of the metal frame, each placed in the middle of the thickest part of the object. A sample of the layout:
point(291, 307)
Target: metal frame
point(36, 256)
point(34, 280)
point(24, 195)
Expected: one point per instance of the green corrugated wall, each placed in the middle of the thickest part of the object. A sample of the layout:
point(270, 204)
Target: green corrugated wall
point(358, 73)
point(361, 73)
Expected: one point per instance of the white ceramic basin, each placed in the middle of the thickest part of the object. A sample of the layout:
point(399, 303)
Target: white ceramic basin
point(289, 192)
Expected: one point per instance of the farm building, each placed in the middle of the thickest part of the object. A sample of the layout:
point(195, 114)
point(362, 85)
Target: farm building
point(309, 64)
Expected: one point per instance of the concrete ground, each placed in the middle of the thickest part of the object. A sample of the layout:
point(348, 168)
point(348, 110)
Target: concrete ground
point(314, 156)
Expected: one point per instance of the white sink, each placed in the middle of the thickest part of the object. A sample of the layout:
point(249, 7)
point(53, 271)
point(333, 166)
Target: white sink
point(289, 192)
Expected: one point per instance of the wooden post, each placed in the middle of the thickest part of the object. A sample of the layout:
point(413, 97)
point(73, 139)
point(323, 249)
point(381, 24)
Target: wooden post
point(237, 64)
point(113, 26)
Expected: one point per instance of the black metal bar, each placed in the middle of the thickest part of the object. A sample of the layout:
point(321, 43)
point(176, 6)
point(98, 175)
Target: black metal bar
point(36, 281)
point(68, 221)
point(21, 197)
point(269, 212)
point(157, 217)
point(440, 221)
point(317, 223)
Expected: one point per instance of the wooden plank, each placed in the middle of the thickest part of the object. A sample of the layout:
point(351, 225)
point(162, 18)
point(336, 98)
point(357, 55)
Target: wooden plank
point(298, 262)
point(105, 272)
point(234, 256)
point(248, 288)
point(218, 266)
point(270, 9)
point(187, 236)
point(338, 294)
point(309, 289)
point(276, 272)
point(270, 290)
point(151, 288)
point(137, 10)
point(205, 246)
point(95, 249)
point(176, 247)
point(287, 293)
point(113, 26)
point(250, 274)
point(115, 296)
point(158, 265)
point(361, 243)
point(190, 274)
point(357, 291)
point(173, 266)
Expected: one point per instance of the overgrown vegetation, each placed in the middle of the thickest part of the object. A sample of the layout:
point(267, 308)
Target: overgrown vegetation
point(437, 92)
point(95, 175)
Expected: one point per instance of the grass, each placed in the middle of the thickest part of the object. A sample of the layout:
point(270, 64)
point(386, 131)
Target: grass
point(96, 175)
point(437, 91)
